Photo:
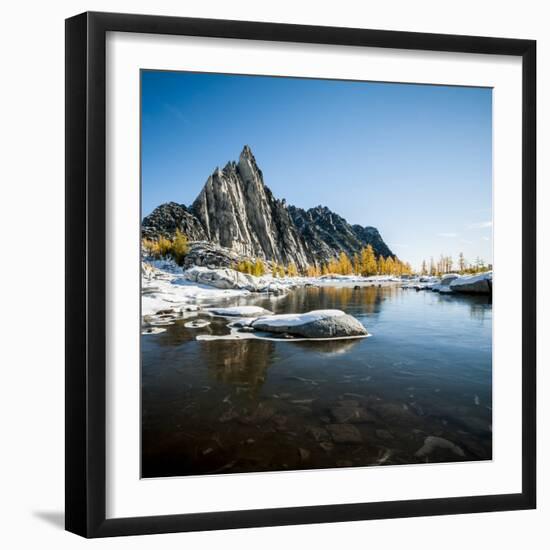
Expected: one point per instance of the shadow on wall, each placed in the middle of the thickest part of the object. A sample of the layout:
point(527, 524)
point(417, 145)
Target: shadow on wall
point(56, 519)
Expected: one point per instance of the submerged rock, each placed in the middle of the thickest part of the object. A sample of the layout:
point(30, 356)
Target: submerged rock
point(153, 330)
point(319, 434)
point(328, 323)
point(229, 415)
point(239, 311)
point(344, 433)
point(432, 443)
point(351, 414)
point(169, 311)
point(305, 454)
point(262, 414)
point(197, 323)
point(384, 434)
point(245, 328)
point(190, 308)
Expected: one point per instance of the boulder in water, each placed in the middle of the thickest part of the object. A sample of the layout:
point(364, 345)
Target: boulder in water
point(327, 323)
point(444, 284)
point(476, 284)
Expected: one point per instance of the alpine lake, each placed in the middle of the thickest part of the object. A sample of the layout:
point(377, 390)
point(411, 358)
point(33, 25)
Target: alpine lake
point(417, 390)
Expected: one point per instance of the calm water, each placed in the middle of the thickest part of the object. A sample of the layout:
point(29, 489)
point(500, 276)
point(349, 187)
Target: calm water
point(252, 405)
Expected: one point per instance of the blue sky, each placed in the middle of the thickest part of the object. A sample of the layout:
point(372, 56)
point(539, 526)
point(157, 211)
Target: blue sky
point(415, 161)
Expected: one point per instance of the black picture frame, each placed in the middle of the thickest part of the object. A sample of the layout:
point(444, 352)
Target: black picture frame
point(86, 279)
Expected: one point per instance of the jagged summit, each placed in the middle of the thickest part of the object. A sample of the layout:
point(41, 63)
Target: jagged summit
point(236, 210)
point(247, 153)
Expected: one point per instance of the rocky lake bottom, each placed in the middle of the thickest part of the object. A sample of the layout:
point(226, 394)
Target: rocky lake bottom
point(418, 390)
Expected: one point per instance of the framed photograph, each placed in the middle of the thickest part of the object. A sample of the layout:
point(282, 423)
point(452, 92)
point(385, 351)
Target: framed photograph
point(300, 274)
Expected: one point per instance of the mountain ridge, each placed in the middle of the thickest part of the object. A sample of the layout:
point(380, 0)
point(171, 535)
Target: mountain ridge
point(236, 210)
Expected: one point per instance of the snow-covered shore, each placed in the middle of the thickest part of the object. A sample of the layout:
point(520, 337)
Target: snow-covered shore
point(452, 283)
point(169, 292)
point(167, 286)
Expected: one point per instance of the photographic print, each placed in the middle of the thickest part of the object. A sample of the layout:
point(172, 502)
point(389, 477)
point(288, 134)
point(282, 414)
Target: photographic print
point(316, 274)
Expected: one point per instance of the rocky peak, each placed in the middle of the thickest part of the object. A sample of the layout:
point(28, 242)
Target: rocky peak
point(320, 210)
point(248, 169)
point(237, 211)
point(231, 166)
point(246, 153)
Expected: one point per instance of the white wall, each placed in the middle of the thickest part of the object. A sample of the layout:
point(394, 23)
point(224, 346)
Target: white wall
point(31, 278)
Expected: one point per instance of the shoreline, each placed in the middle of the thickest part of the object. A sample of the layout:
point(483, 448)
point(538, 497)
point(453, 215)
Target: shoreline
point(170, 293)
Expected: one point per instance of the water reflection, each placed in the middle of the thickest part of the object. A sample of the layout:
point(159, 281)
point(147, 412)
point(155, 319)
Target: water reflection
point(367, 299)
point(328, 347)
point(480, 306)
point(239, 363)
point(253, 405)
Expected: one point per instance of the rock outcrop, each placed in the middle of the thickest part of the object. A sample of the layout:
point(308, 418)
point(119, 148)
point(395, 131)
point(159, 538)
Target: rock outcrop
point(236, 215)
point(476, 284)
point(444, 286)
point(329, 323)
point(220, 278)
point(166, 218)
point(207, 254)
point(238, 211)
point(225, 279)
point(326, 234)
point(370, 235)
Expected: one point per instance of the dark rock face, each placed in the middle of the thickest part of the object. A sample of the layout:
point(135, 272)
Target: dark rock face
point(370, 235)
point(203, 253)
point(326, 234)
point(236, 211)
point(166, 218)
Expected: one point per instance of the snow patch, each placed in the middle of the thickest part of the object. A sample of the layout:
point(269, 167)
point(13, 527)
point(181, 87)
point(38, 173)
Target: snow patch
point(298, 319)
